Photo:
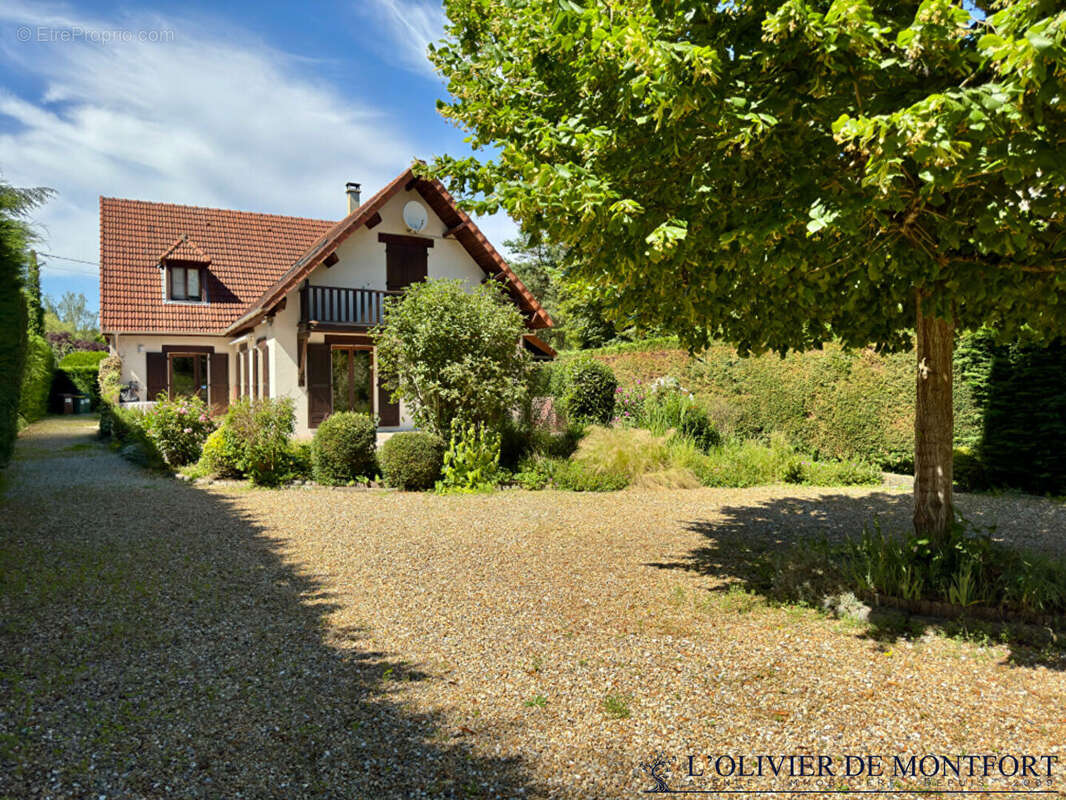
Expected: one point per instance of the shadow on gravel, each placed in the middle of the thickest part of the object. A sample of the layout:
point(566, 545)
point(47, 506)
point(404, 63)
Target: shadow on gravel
point(154, 643)
point(753, 546)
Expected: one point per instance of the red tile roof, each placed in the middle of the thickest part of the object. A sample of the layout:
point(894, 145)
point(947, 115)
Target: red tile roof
point(255, 259)
point(185, 249)
point(248, 253)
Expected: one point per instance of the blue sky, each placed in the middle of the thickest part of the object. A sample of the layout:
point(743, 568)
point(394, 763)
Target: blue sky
point(256, 106)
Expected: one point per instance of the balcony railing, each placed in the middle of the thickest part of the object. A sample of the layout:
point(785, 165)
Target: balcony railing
point(336, 305)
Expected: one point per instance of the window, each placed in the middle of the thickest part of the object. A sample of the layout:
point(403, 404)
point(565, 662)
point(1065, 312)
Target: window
point(353, 379)
point(185, 284)
point(188, 375)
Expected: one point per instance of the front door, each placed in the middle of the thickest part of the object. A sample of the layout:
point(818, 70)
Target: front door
point(352, 373)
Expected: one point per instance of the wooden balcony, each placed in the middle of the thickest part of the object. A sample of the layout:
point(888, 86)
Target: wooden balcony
point(339, 307)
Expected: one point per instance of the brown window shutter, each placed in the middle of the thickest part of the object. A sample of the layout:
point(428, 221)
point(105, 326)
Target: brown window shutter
point(404, 265)
point(319, 390)
point(218, 391)
point(264, 357)
point(254, 393)
point(388, 412)
point(157, 374)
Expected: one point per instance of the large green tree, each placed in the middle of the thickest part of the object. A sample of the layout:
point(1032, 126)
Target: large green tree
point(782, 173)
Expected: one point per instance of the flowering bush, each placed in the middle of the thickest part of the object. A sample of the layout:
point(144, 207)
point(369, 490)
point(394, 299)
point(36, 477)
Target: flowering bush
point(179, 428)
point(629, 405)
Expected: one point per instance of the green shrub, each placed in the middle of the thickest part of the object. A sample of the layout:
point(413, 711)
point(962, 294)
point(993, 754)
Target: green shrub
point(223, 454)
point(36, 379)
point(178, 428)
point(472, 460)
point(516, 442)
point(832, 473)
point(744, 463)
point(535, 473)
point(127, 430)
point(109, 379)
point(343, 448)
point(668, 407)
point(301, 460)
point(412, 460)
point(585, 390)
point(265, 434)
point(556, 445)
point(83, 358)
point(82, 367)
point(451, 353)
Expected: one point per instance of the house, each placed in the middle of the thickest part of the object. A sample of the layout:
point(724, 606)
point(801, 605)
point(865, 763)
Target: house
point(228, 304)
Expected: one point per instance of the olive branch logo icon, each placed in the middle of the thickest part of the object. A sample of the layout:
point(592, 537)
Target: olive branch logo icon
point(655, 770)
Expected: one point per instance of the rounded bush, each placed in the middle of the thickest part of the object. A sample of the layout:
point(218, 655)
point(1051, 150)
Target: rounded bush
point(343, 448)
point(696, 425)
point(223, 453)
point(412, 460)
point(585, 388)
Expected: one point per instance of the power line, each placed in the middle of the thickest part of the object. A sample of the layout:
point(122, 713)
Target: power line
point(66, 258)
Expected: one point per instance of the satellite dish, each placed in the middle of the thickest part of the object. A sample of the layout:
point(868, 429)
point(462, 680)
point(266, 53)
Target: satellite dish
point(415, 216)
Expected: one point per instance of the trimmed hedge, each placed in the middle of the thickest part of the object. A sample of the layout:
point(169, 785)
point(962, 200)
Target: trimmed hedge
point(411, 460)
point(1021, 389)
point(13, 319)
point(82, 367)
point(831, 403)
point(36, 379)
point(343, 448)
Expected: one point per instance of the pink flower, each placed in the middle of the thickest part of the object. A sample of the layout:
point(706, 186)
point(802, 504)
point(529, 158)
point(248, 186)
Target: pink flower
point(188, 430)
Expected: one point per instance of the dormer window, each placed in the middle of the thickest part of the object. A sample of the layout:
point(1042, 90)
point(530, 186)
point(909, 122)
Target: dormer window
point(185, 283)
point(184, 268)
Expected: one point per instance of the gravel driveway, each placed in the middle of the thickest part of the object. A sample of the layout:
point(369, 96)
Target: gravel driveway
point(165, 640)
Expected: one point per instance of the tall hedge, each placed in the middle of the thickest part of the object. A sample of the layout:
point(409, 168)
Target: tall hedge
point(83, 369)
point(1021, 389)
point(36, 379)
point(12, 349)
point(831, 403)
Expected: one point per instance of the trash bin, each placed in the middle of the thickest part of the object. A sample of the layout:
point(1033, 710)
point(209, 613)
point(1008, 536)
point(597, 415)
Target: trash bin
point(68, 404)
point(81, 405)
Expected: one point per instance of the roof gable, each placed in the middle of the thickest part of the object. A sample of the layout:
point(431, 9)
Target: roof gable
point(184, 249)
point(444, 206)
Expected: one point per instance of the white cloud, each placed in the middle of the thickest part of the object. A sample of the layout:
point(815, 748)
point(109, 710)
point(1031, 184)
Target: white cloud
point(211, 118)
point(412, 25)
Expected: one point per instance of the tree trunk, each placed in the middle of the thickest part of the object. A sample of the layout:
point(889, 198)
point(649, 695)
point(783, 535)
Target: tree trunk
point(934, 426)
